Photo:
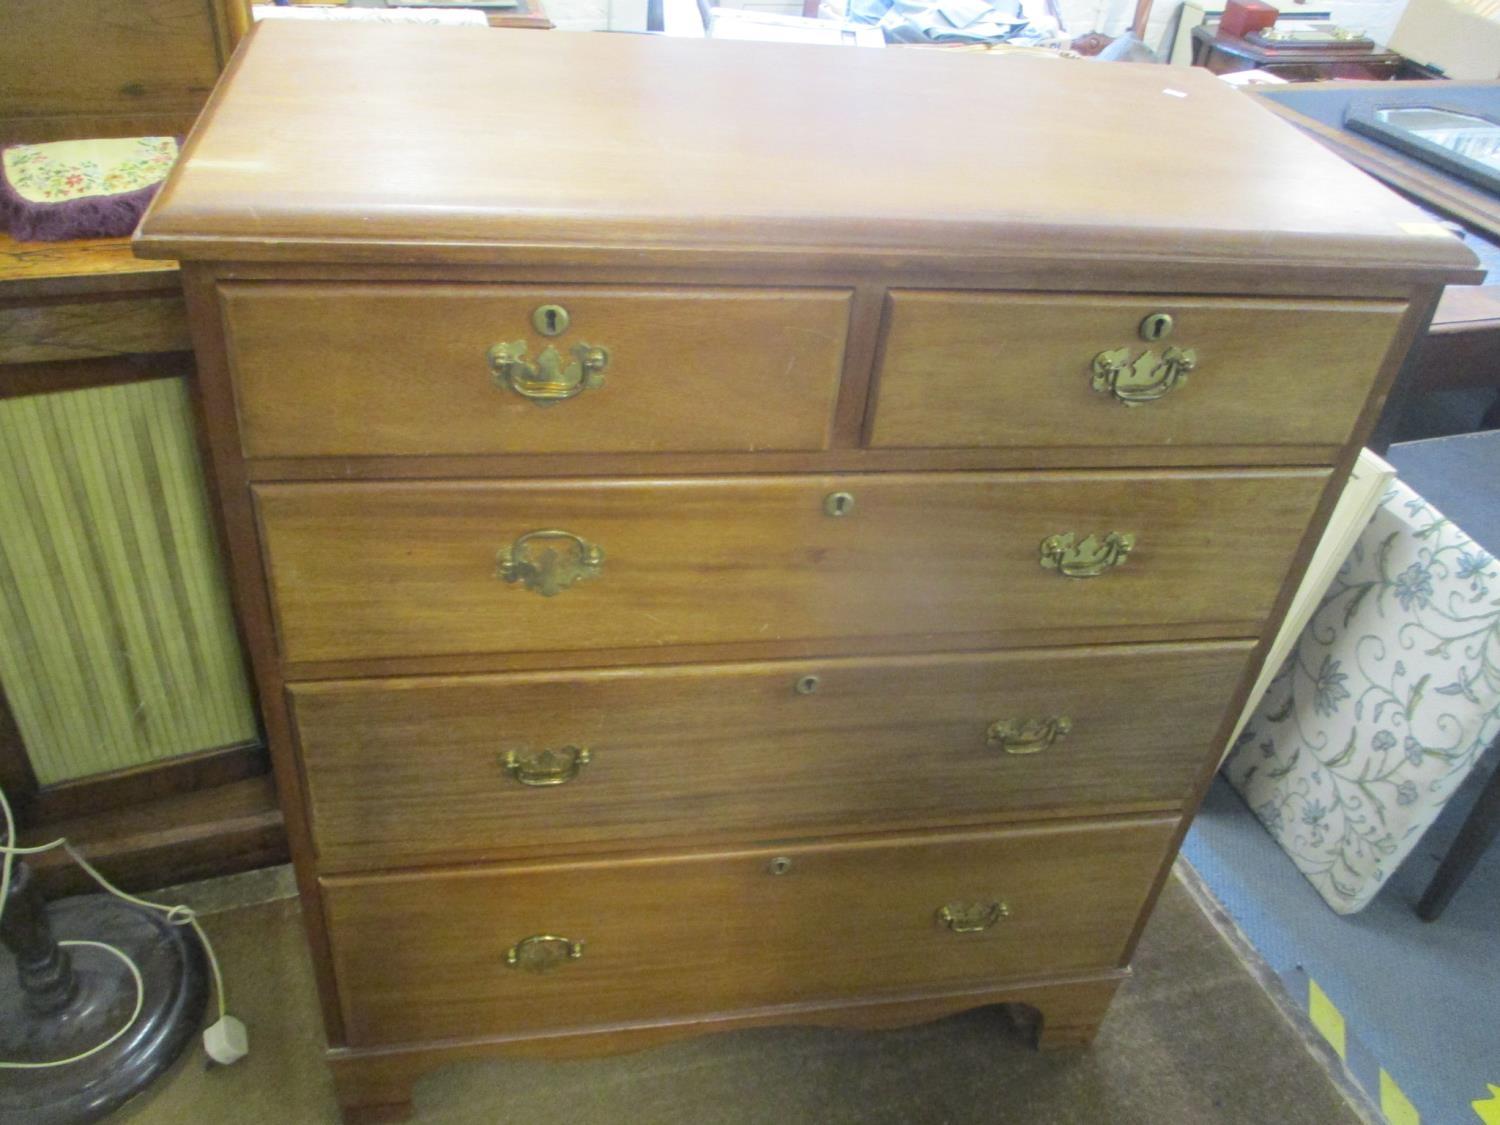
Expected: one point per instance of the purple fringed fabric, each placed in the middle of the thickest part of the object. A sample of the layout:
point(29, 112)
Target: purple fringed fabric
point(91, 216)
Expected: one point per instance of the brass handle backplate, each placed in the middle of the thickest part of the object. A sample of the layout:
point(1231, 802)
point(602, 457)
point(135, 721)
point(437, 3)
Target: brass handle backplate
point(540, 953)
point(972, 917)
point(549, 561)
point(549, 379)
point(1087, 558)
point(1028, 736)
point(550, 767)
point(1143, 379)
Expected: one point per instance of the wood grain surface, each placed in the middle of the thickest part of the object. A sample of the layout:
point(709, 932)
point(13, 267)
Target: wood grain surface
point(87, 266)
point(976, 369)
point(422, 956)
point(403, 772)
point(399, 570)
point(653, 145)
point(375, 1084)
point(125, 325)
point(62, 60)
point(402, 369)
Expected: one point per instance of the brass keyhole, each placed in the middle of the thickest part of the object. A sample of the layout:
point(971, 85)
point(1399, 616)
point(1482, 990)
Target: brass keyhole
point(807, 685)
point(551, 320)
point(838, 503)
point(779, 866)
point(1157, 326)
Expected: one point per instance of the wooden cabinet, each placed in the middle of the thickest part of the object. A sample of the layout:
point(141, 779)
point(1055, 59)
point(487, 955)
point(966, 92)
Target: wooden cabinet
point(729, 558)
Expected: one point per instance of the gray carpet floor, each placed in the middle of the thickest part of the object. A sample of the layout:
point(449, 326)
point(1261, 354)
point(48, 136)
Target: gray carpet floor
point(1194, 1037)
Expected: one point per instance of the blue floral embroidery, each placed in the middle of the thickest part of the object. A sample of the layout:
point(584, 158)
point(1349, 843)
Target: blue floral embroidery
point(1413, 750)
point(1414, 586)
point(1385, 704)
point(1329, 690)
point(1473, 567)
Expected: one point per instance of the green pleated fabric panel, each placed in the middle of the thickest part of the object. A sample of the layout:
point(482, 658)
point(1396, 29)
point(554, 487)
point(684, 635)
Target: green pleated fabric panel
point(117, 643)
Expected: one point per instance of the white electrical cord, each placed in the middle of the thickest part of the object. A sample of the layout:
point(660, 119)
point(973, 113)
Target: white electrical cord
point(176, 915)
point(140, 1001)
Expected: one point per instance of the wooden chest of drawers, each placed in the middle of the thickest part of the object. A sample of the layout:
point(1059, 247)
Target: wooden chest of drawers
point(716, 556)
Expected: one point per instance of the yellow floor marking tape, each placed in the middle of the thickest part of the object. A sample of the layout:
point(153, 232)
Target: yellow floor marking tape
point(1326, 1018)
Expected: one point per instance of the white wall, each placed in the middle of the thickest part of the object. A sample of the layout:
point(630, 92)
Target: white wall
point(597, 15)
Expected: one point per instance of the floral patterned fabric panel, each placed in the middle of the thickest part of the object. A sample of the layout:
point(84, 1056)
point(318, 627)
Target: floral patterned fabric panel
point(62, 170)
point(81, 189)
point(1386, 703)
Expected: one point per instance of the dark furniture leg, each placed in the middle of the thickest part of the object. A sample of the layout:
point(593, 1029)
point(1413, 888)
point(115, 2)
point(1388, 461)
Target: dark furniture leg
point(1478, 832)
point(68, 999)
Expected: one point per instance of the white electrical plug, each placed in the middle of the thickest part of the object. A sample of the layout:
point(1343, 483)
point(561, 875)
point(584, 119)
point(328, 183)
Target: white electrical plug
point(226, 1041)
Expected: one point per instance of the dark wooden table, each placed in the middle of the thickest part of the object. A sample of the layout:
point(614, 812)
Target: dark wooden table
point(1228, 54)
point(1462, 346)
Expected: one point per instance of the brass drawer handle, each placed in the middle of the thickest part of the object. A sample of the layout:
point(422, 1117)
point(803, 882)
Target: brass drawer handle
point(548, 380)
point(972, 917)
point(1028, 736)
point(1144, 379)
point(550, 767)
point(549, 561)
point(542, 952)
point(1089, 558)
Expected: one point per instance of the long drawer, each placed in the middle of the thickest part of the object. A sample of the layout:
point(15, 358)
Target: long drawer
point(1015, 369)
point(434, 769)
point(456, 953)
point(410, 569)
point(385, 368)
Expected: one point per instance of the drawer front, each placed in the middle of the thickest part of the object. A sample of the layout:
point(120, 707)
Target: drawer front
point(355, 369)
point(424, 956)
point(429, 770)
point(974, 369)
point(407, 569)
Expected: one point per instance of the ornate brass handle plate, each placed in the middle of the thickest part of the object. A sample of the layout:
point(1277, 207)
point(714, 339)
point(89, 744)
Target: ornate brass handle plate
point(972, 917)
point(549, 379)
point(550, 767)
point(540, 953)
point(1088, 558)
point(1028, 736)
point(1143, 379)
point(549, 561)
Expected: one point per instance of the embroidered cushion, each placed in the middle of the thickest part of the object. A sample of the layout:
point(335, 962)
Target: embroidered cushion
point(1384, 706)
point(81, 189)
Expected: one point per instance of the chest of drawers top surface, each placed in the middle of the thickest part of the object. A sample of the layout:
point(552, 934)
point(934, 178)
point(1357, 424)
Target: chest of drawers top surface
point(434, 144)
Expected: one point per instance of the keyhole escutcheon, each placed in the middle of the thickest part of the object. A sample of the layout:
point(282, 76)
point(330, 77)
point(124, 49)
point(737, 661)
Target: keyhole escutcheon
point(550, 320)
point(1157, 326)
point(838, 503)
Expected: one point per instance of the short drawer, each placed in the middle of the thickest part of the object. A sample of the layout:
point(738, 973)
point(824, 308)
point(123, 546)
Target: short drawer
point(397, 570)
point(963, 369)
point(438, 955)
point(403, 369)
point(420, 771)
